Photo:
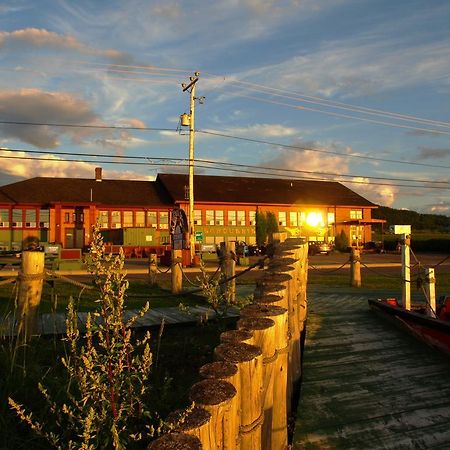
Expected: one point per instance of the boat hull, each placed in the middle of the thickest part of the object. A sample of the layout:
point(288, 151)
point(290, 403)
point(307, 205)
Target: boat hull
point(434, 332)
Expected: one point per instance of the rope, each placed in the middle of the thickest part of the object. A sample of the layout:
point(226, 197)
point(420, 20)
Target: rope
point(244, 429)
point(186, 277)
point(440, 262)
point(8, 281)
point(69, 280)
point(163, 271)
point(271, 359)
point(379, 273)
point(31, 277)
point(331, 270)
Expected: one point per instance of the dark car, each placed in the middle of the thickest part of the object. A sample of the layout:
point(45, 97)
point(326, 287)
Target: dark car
point(322, 247)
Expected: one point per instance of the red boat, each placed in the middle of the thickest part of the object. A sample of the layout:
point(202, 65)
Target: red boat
point(434, 331)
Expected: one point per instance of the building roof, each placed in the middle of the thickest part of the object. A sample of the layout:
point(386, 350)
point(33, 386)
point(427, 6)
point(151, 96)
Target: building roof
point(42, 190)
point(262, 191)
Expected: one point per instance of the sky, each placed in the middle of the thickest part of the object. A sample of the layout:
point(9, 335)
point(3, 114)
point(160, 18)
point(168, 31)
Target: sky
point(355, 91)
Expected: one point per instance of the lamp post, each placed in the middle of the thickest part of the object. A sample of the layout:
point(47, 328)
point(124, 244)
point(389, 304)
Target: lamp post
point(189, 119)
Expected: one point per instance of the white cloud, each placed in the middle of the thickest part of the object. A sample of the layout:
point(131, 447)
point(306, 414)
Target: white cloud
point(263, 130)
point(35, 38)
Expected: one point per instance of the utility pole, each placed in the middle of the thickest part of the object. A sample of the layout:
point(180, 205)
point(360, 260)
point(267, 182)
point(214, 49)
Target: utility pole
point(191, 121)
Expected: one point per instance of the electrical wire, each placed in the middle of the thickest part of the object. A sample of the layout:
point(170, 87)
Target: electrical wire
point(228, 136)
point(222, 163)
point(169, 164)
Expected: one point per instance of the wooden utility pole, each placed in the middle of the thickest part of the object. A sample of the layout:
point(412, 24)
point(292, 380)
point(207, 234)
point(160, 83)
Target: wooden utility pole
point(355, 267)
point(31, 280)
point(191, 119)
point(227, 268)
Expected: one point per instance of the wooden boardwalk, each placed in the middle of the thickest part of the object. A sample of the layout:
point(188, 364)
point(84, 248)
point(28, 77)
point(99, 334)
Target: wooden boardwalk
point(366, 384)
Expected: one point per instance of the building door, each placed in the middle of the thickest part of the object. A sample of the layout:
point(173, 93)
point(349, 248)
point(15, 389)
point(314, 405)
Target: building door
point(73, 238)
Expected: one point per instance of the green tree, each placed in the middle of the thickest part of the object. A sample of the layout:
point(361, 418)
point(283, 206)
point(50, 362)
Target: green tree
point(272, 223)
point(261, 228)
point(341, 242)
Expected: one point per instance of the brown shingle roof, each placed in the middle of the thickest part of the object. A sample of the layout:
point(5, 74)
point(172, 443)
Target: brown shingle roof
point(263, 191)
point(41, 190)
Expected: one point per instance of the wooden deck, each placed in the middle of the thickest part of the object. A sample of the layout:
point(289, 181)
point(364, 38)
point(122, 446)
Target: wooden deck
point(366, 384)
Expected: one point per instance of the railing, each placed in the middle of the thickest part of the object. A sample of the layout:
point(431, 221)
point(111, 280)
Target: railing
point(245, 397)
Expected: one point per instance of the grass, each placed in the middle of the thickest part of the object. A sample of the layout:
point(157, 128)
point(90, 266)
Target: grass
point(177, 357)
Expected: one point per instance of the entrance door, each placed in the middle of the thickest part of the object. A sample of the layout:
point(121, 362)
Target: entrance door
point(73, 238)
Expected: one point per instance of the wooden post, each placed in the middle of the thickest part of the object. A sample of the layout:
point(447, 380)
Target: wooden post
point(264, 332)
point(176, 270)
point(31, 280)
point(406, 273)
point(430, 281)
point(226, 371)
point(355, 267)
point(237, 336)
point(228, 267)
point(152, 268)
point(216, 397)
point(195, 421)
point(174, 441)
point(248, 359)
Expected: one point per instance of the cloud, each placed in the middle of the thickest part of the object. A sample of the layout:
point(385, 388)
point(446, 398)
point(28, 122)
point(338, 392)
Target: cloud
point(56, 167)
point(37, 106)
point(263, 130)
point(378, 194)
point(433, 153)
point(41, 38)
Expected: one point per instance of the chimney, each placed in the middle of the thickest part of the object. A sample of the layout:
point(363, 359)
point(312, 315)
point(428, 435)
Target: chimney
point(98, 174)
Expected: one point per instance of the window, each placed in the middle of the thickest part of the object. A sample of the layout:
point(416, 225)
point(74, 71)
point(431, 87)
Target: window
point(302, 218)
point(44, 218)
point(293, 219)
point(30, 218)
point(4, 218)
point(209, 217)
point(252, 217)
point(356, 214)
point(17, 218)
point(103, 219)
point(282, 218)
point(115, 219)
point(128, 218)
point(330, 218)
point(164, 220)
point(197, 217)
point(140, 219)
point(231, 217)
point(241, 218)
point(219, 217)
point(151, 219)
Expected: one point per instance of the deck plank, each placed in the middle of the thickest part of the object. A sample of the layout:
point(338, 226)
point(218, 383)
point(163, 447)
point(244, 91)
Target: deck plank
point(366, 384)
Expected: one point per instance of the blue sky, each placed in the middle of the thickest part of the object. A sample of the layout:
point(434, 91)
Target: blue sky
point(350, 90)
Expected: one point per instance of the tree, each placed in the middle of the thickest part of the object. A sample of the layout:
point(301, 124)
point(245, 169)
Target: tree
point(272, 223)
point(341, 242)
point(261, 228)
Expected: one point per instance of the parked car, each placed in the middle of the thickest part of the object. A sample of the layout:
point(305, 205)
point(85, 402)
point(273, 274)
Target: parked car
point(241, 248)
point(315, 247)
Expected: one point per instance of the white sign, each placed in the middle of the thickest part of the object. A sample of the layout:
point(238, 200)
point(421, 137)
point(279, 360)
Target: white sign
point(400, 229)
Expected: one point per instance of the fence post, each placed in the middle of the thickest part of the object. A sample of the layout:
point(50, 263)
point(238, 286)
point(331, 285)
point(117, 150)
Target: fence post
point(248, 359)
point(227, 268)
point(176, 440)
point(355, 267)
point(216, 396)
point(430, 281)
point(176, 270)
point(152, 267)
point(406, 272)
point(31, 280)
point(264, 331)
point(195, 421)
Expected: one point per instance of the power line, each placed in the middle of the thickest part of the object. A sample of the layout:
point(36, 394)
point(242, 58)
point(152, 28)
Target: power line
point(210, 165)
point(221, 163)
point(312, 149)
point(229, 136)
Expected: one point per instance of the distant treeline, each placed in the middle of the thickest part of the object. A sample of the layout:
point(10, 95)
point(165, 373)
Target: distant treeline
point(432, 222)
